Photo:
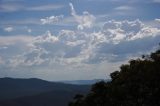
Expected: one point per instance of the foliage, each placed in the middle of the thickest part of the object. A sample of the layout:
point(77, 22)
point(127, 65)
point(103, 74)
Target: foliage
point(136, 84)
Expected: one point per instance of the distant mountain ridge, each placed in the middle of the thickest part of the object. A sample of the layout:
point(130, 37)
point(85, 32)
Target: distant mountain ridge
point(37, 92)
point(83, 82)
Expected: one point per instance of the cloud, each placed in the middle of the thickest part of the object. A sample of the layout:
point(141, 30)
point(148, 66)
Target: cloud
point(4, 47)
point(124, 8)
point(78, 50)
point(157, 20)
point(75, 45)
point(11, 1)
point(29, 30)
point(112, 43)
point(128, 1)
point(47, 37)
point(13, 7)
point(1, 60)
point(32, 58)
point(85, 21)
point(33, 21)
point(8, 29)
point(45, 7)
point(156, 1)
point(123, 40)
point(127, 30)
point(10, 40)
point(13, 46)
point(10, 7)
point(51, 19)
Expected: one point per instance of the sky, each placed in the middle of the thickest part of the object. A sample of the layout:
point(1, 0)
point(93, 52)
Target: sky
point(75, 39)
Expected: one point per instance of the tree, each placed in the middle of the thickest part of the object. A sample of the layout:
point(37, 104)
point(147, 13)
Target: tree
point(136, 84)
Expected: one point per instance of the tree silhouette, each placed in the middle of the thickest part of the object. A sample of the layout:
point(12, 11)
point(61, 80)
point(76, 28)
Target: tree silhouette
point(136, 84)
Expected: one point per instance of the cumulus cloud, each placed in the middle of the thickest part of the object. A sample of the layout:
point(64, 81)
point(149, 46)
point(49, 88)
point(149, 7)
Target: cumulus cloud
point(47, 37)
point(85, 20)
point(96, 44)
point(51, 19)
point(127, 30)
point(31, 58)
point(116, 41)
point(8, 29)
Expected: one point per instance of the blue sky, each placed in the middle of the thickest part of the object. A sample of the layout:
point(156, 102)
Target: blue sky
point(74, 39)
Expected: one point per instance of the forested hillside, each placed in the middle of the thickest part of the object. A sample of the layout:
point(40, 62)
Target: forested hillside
point(135, 84)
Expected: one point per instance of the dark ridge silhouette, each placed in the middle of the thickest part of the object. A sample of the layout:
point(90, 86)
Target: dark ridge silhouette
point(51, 98)
point(37, 92)
point(84, 82)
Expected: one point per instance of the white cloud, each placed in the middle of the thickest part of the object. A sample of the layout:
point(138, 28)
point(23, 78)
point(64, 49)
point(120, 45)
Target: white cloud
point(31, 58)
point(51, 19)
point(123, 8)
point(8, 29)
point(118, 31)
point(116, 41)
point(27, 21)
point(85, 21)
point(157, 20)
point(47, 37)
point(77, 47)
point(4, 47)
point(12, 7)
point(29, 30)
point(9, 40)
point(45, 7)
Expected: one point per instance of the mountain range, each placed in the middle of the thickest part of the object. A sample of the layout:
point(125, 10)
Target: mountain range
point(37, 92)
